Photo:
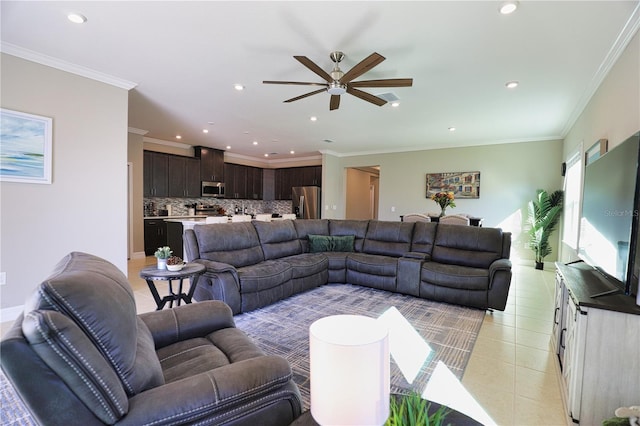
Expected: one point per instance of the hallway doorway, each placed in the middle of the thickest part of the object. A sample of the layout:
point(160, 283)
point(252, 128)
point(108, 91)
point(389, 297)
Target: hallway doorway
point(362, 192)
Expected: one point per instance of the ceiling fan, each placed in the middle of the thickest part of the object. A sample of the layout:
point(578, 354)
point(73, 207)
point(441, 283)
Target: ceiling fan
point(338, 83)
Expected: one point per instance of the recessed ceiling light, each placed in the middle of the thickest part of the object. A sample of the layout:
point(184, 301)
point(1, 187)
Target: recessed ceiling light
point(512, 84)
point(228, 146)
point(452, 129)
point(292, 152)
point(395, 104)
point(178, 137)
point(508, 7)
point(255, 142)
point(238, 86)
point(205, 130)
point(313, 118)
point(77, 18)
point(266, 155)
point(210, 123)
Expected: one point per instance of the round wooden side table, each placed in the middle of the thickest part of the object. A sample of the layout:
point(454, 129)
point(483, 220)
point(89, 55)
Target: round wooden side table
point(191, 270)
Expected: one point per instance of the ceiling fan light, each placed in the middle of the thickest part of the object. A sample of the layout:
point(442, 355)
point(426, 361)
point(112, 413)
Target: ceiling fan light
point(337, 88)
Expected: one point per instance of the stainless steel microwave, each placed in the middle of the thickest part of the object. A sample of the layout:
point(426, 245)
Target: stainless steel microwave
point(213, 189)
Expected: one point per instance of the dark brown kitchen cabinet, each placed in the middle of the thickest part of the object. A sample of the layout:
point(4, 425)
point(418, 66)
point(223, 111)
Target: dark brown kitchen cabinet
point(254, 183)
point(289, 177)
point(184, 176)
point(155, 174)
point(155, 235)
point(235, 181)
point(211, 164)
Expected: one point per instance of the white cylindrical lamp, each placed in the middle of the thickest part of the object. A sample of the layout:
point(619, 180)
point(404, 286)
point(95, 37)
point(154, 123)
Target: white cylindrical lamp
point(349, 365)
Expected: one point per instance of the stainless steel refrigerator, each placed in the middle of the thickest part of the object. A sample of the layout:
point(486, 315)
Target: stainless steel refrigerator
point(306, 202)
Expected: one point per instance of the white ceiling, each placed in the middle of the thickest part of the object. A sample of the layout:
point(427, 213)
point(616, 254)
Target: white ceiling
point(185, 57)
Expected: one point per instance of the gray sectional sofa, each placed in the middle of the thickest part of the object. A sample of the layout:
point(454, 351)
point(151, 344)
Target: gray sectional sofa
point(254, 264)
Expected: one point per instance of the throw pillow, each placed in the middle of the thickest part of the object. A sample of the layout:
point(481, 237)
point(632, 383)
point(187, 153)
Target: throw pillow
point(343, 242)
point(324, 243)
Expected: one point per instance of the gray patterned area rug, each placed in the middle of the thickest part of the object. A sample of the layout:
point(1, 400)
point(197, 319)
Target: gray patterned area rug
point(283, 329)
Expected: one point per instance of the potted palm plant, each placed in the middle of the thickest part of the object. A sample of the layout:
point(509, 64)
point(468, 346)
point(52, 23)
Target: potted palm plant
point(544, 216)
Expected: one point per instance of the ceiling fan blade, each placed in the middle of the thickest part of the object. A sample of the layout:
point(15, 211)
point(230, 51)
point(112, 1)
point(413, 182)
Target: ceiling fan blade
point(313, 67)
point(363, 66)
point(366, 96)
point(299, 83)
point(315, 92)
point(334, 103)
point(389, 82)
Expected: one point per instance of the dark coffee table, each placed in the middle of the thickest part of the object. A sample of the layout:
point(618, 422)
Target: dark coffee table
point(190, 270)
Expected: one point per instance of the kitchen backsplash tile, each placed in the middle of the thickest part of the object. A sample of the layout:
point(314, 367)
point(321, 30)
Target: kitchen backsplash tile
point(179, 205)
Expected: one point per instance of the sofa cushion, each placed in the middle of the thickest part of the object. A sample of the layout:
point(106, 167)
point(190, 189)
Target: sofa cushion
point(278, 238)
point(467, 245)
point(372, 270)
point(337, 266)
point(455, 276)
point(388, 238)
point(194, 356)
point(324, 243)
point(236, 243)
point(63, 346)
point(304, 227)
point(78, 288)
point(264, 275)
point(350, 227)
point(424, 236)
point(307, 264)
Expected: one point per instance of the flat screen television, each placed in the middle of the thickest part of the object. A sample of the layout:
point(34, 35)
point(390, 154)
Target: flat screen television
point(608, 239)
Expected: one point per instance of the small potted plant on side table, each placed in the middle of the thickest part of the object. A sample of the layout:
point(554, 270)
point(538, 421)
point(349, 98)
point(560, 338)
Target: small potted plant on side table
point(162, 254)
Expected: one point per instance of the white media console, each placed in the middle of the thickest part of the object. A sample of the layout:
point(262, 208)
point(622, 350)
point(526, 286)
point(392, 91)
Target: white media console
point(597, 341)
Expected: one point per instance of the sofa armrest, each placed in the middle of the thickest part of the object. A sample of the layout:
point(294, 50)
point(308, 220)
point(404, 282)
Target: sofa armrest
point(499, 265)
point(187, 321)
point(417, 255)
point(216, 267)
point(216, 396)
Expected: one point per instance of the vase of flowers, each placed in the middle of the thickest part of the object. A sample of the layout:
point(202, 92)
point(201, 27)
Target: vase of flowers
point(444, 200)
point(162, 254)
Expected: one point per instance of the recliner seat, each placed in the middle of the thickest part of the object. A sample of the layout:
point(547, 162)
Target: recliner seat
point(79, 354)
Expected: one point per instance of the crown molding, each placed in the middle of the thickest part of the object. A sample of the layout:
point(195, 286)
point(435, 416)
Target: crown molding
point(137, 131)
point(166, 143)
point(271, 162)
point(622, 41)
point(447, 145)
point(30, 55)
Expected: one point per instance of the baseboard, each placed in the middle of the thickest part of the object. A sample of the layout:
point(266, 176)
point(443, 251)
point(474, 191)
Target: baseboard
point(10, 314)
point(139, 255)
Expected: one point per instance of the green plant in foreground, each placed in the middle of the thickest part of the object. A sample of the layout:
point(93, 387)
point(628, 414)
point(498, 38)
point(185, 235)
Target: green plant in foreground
point(412, 410)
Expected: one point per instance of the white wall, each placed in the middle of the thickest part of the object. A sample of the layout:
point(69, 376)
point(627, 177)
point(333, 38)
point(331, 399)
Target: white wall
point(84, 209)
point(613, 112)
point(509, 176)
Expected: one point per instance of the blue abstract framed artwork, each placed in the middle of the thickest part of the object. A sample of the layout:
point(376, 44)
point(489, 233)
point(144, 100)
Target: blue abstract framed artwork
point(25, 147)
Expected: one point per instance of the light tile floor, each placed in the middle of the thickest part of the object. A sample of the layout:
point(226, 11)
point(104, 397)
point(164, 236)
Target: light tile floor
point(512, 374)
